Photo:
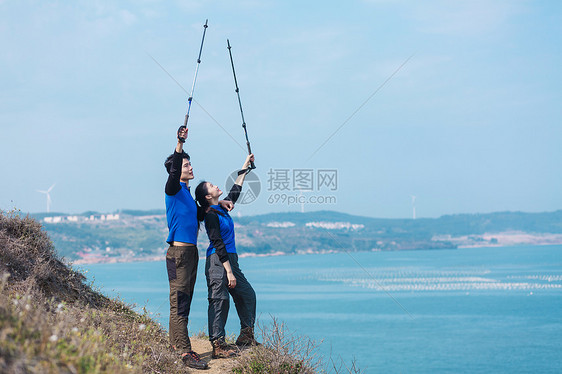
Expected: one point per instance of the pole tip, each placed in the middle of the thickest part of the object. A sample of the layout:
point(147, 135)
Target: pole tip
point(206, 21)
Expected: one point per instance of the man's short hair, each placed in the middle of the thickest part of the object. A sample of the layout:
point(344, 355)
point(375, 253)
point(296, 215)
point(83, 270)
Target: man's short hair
point(168, 162)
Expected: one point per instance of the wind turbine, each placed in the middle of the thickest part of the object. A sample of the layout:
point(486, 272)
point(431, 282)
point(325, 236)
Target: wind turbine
point(48, 193)
point(413, 207)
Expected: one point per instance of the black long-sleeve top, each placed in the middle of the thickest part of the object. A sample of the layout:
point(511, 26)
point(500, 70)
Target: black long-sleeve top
point(173, 185)
point(220, 227)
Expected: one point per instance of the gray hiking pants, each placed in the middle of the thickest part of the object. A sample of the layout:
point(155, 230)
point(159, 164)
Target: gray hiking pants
point(181, 263)
point(243, 295)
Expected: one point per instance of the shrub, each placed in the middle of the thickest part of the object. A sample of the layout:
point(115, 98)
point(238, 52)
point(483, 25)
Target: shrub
point(281, 352)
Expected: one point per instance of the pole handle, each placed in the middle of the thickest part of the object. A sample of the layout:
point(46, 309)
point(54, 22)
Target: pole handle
point(252, 165)
point(182, 140)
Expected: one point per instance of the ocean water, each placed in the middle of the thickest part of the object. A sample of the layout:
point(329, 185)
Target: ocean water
point(477, 310)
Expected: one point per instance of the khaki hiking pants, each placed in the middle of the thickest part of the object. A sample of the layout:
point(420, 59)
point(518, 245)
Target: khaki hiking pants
point(181, 263)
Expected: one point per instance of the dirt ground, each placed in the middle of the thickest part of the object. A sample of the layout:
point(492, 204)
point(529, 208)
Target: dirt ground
point(216, 366)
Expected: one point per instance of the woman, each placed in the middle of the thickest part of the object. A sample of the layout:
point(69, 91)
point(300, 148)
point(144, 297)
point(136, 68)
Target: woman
point(221, 269)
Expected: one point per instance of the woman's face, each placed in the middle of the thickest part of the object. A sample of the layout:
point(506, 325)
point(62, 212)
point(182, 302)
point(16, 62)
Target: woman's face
point(213, 191)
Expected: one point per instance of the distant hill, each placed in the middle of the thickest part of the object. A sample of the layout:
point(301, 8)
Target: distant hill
point(134, 234)
point(457, 224)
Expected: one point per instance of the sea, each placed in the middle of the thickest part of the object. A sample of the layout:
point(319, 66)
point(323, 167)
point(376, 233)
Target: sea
point(471, 310)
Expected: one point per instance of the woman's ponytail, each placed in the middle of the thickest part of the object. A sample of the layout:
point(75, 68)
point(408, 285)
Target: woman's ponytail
point(202, 204)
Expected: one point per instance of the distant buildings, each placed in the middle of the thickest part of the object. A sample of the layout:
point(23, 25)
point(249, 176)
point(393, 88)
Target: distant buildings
point(336, 225)
point(74, 219)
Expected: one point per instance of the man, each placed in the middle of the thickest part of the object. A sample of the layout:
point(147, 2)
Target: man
point(182, 257)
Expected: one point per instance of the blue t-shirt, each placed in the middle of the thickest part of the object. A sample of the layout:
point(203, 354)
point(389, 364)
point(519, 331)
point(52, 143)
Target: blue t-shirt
point(226, 230)
point(181, 213)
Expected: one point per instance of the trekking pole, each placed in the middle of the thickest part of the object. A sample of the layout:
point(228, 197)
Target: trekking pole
point(190, 99)
point(252, 165)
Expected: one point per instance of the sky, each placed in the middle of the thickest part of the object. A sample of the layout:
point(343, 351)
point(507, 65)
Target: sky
point(457, 103)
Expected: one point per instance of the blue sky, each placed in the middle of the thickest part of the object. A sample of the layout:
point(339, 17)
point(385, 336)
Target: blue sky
point(470, 124)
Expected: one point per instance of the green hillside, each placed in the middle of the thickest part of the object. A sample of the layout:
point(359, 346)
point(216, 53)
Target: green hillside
point(142, 234)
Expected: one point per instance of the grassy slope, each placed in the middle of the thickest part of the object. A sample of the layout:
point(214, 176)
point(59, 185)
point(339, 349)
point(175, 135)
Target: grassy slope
point(52, 322)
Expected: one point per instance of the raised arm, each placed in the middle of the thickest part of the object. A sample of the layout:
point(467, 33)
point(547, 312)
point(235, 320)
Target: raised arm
point(234, 193)
point(245, 170)
point(173, 184)
point(237, 186)
point(228, 202)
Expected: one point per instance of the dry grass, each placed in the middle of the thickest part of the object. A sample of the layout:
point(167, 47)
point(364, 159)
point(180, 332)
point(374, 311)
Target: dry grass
point(52, 322)
point(284, 352)
point(281, 352)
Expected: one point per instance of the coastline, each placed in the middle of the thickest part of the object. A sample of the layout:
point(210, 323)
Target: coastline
point(504, 239)
point(115, 260)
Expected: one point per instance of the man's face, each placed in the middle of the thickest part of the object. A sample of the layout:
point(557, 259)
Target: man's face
point(186, 170)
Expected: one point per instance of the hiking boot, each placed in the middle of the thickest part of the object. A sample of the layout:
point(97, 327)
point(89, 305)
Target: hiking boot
point(221, 349)
point(246, 338)
point(192, 360)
